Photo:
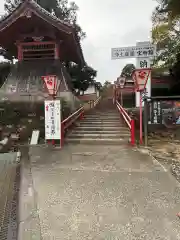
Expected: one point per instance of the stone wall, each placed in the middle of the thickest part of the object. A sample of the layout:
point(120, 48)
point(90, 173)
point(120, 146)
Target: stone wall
point(23, 117)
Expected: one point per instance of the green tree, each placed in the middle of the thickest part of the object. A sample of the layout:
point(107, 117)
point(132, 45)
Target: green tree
point(127, 70)
point(105, 88)
point(82, 77)
point(172, 7)
point(166, 36)
point(98, 85)
point(106, 84)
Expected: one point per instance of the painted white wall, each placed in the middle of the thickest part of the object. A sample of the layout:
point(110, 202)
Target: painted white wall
point(90, 90)
point(97, 93)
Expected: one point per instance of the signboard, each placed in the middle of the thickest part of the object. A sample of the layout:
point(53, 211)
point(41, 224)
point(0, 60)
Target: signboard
point(164, 112)
point(52, 119)
point(35, 137)
point(170, 112)
point(156, 113)
point(141, 51)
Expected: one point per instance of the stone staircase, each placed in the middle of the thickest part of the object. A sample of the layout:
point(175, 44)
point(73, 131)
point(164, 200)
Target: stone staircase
point(103, 125)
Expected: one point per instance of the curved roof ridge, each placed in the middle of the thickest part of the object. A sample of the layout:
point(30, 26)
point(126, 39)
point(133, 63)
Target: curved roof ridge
point(35, 4)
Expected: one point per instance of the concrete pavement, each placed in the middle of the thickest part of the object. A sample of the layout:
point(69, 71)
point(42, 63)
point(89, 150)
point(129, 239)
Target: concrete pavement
point(99, 192)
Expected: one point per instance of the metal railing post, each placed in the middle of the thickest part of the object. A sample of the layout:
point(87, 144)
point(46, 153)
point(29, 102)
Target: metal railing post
point(79, 114)
point(62, 135)
point(129, 121)
point(132, 132)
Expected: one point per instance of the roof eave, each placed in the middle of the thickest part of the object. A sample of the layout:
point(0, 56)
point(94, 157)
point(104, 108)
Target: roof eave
point(79, 50)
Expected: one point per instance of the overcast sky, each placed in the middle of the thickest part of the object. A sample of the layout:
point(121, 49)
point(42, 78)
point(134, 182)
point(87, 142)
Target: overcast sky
point(111, 23)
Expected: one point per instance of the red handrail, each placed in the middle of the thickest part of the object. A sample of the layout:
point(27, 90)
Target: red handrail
point(80, 110)
point(69, 121)
point(97, 101)
point(129, 121)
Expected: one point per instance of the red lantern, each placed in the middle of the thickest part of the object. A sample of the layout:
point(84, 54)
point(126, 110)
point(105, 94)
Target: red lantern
point(140, 77)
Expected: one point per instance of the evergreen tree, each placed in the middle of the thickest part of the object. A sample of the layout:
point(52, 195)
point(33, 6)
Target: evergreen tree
point(128, 70)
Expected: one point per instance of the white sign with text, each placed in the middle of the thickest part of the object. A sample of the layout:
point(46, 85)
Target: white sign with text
point(52, 119)
point(141, 51)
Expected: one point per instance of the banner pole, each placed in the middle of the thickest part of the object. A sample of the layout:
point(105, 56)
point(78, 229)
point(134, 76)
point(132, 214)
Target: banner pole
point(140, 113)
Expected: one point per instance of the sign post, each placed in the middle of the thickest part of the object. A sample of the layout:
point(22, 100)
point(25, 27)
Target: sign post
point(52, 109)
point(144, 61)
point(145, 121)
point(121, 82)
point(140, 77)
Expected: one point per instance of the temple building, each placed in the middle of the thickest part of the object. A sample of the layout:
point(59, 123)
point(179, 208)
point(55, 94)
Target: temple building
point(160, 86)
point(42, 44)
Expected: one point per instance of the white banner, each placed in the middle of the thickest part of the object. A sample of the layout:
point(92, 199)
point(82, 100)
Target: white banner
point(146, 51)
point(52, 119)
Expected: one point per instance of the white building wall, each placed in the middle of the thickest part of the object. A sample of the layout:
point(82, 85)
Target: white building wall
point(90, 90)
point(97, 93)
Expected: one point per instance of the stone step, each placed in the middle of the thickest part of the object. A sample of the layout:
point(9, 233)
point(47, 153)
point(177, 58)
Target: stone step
point(99, 122)
point(102, 114)
point(89, 120)
point(97, 136)
point(122, 131)
point(102, 141)
point(100, 128)
point(103, 125)
point(102, 111)
point(102, 118)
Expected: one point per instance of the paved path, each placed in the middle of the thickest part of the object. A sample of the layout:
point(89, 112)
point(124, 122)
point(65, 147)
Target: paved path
point(103, 192)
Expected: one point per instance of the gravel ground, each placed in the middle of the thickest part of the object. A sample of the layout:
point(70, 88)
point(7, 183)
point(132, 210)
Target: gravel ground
point(175, 169)
point(168, 154)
